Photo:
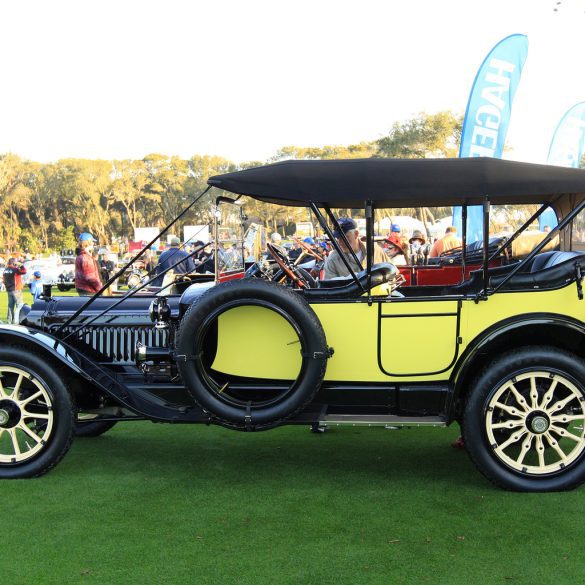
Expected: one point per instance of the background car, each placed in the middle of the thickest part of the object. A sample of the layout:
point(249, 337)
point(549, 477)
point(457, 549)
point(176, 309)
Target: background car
point(66, 279)
point(50, 270)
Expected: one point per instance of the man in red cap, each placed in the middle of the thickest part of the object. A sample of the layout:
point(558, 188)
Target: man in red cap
point(87, 271)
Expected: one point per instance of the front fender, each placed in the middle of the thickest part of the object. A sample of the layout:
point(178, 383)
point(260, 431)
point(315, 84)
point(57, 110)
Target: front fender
point(43, 343)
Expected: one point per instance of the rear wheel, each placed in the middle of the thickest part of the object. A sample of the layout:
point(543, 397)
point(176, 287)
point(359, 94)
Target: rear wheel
point(524, 421)
point(36, 415)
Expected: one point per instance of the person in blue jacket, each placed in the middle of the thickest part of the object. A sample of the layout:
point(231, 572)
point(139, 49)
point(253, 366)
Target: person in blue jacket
point(36, 285)
point(171, 256)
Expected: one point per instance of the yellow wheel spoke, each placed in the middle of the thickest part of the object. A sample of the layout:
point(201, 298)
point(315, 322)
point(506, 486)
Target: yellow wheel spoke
point(555, 445)
point(539, 450)
point(513, 439)
point(549, 393)
point(526, 444)
point(510, 424)
point(560, 404)
point(519, 398)
point(533, 393)
point(15, 444)
point(510, 409)
point(567, 417)
point(17, 386)
point(30, 398)
point(564, 433)
point(30, 433)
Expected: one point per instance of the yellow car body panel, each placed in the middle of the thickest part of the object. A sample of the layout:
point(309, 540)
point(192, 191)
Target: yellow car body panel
point(417, 338)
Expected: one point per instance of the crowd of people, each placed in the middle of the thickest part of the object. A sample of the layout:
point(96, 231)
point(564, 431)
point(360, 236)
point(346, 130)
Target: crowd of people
point(93, 269)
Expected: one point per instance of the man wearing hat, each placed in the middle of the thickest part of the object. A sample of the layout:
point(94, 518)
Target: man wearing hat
point(396, 252)
point(170, 257)
point(334, 265)
point(87, 271)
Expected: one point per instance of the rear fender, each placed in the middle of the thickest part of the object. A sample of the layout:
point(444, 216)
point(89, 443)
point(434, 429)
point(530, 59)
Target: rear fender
point(522, 330)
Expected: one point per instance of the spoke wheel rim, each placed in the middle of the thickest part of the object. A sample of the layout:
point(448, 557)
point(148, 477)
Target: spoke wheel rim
point(535, 423)
point(30, 419)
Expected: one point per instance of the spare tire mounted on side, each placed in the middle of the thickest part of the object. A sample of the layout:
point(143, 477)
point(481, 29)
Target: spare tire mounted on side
point(235, 409)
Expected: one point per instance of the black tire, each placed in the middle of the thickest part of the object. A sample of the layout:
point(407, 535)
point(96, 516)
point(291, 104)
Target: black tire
point(92, 428)
point(62, 287)
point(521, 412)
point(230, 410)
point(44, 400)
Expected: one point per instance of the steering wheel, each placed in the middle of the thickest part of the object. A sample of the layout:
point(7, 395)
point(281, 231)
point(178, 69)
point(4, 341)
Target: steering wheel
point(309, 250)
point(289, 269)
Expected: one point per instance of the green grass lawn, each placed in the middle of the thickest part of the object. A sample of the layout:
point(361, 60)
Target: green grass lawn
point(164, 504)
point(150, 503)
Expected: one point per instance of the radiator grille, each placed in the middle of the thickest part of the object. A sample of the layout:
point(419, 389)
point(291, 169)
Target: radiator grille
point(117, 344)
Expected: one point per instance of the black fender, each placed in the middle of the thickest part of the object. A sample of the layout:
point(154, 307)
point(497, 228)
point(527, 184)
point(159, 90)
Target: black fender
point(139, 403)
point(44, 343)
point(559, 330)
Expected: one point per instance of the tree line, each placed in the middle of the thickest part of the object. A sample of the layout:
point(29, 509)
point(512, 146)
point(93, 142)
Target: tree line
point(45, 206)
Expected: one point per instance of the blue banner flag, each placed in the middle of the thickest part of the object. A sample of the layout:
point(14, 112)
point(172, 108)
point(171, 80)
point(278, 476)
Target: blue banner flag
point(566, 146)
point(488, 114)
point(566, 150)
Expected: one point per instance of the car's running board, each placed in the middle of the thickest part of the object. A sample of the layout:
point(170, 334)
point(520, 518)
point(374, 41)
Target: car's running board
point(381, 420)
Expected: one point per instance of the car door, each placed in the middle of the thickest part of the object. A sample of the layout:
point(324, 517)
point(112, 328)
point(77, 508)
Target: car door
point(418, 337)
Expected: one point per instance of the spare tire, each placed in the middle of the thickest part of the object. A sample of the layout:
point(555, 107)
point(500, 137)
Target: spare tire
point(195, 354)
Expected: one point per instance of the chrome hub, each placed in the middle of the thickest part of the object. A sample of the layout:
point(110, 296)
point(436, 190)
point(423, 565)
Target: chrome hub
point(539, 424)
point(4, 417)
point(9, 414)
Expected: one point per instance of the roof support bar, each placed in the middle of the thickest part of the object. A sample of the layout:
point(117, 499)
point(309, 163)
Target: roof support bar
point(369, 245)
point(323, 223)
point(343, 236)
point(486, 242)
point(463, 240)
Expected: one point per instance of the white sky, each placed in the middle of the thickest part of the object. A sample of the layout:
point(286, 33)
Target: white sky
point(122, 79)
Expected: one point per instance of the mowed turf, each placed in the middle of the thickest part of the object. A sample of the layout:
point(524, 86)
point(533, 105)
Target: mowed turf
point(164, 504)
point(150, 503)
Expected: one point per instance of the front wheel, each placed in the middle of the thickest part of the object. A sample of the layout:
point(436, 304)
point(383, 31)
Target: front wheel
point(36, 415)
point(525, 418)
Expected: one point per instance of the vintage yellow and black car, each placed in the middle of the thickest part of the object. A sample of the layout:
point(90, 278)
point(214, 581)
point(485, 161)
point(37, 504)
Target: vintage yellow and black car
point(501, 351)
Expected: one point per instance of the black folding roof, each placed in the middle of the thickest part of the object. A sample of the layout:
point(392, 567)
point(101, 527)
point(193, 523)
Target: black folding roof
point(402, 182)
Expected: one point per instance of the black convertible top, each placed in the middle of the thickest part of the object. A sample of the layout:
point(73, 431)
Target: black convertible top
point(402, 182)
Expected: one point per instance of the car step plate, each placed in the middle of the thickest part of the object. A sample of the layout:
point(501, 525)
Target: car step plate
point(382, 420)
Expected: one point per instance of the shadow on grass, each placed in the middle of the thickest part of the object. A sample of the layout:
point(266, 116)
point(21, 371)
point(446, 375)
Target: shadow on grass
point(340, 457)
